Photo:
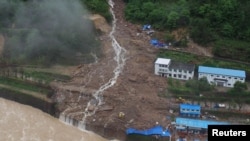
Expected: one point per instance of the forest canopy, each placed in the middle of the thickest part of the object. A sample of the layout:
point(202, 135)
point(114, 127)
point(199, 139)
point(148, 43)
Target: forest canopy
point(208, 21)
point(46, 31)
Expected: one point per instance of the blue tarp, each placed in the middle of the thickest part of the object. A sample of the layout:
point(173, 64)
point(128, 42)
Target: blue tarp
point(146, 27)
point(157, 130)
point(156, 43)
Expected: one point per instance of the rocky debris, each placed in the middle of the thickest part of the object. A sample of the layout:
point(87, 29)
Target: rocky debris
point(132, 78)
point(100, 23)
point(91, 108)
point(105, 108)
point(136, 91)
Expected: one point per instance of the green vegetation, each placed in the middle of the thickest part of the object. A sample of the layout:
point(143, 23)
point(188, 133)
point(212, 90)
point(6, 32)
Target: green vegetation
point(99, 6)
point(19, 84)
point(200, 90)
point(238, 50)
point(228, 115)
point(220, 23)
point(46, 76)
point(191, 87)
point(161, 14)
point(34, 83)
point(41, 77)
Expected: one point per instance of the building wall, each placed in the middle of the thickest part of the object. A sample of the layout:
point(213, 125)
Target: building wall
point(161, 68)
point(164, 71)
point(181, 74)
point(222, 80)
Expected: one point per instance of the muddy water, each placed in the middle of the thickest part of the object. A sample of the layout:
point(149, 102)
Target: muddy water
point(20, 122)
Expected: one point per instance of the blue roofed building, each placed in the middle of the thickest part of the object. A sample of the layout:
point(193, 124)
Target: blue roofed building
point(221, 76)
point(190, 110)
point(195, 124)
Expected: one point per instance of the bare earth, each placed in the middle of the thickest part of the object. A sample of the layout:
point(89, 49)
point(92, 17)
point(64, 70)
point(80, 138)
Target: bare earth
point(136, 91)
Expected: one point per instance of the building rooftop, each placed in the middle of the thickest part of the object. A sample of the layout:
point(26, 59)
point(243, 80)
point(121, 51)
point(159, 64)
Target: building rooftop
point(163, 61)
point(181, 66)
point(190, 106)
point(197, 123)
point(222, 71)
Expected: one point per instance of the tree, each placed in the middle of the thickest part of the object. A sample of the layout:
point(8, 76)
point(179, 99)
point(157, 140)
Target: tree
point(172, 19)
point(227, 30)
point(199, 86)
point(200, 32)
point(238, 89)
point(147, 7)
point(203, 85)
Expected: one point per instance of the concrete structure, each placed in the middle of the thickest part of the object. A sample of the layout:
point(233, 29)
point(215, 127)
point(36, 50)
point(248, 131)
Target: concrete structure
point(221, 76)
point(177, 70)
point(190, 110)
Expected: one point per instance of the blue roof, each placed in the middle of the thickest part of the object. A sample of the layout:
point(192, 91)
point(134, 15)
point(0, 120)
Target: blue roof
point(222, 71)
point(157, 130)
point(196, 123)
point(190, 106)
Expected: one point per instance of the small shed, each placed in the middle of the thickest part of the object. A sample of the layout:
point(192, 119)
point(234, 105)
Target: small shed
point(190, 110)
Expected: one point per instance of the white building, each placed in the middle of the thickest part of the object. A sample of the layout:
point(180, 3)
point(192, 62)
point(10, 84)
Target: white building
point(167, 68)
point(221, 76)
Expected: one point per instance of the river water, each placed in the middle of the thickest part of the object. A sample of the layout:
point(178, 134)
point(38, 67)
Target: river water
point(20, 122)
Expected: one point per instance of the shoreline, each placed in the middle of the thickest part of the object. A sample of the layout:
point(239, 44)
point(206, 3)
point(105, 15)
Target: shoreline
point(49, 107)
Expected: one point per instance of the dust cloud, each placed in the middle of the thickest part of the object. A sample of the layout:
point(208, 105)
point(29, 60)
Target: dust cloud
point(48, 30)
point(24, 123)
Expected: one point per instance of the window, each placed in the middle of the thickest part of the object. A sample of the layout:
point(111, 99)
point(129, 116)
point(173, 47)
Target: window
point(229, 77)
point(179, 75)
point(174, 75)
point(174, 70)
point(223, 76)
point(184, 76)
point(235, 77)
point(212, 75)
